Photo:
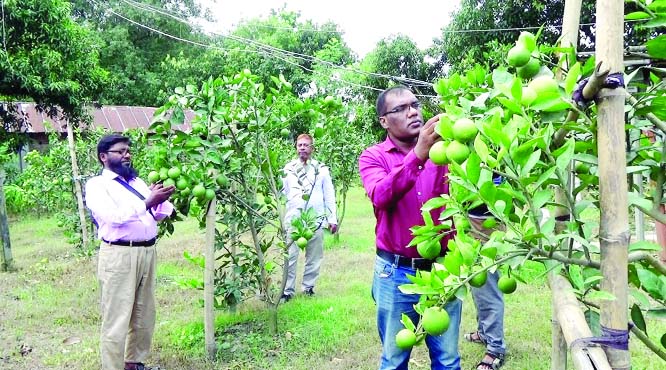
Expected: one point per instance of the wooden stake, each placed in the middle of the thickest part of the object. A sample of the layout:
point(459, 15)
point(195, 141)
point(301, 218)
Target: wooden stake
point(614, 230)
point(77, 186)
point(7, 260)
point(209, 281)
point(572, 321)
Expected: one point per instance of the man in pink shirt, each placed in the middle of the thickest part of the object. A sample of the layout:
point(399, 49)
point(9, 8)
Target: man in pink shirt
point(126, 211)
point(399, 179)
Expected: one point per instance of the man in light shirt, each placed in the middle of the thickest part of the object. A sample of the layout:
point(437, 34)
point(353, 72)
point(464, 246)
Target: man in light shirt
point(307, 183)
point(126, 211)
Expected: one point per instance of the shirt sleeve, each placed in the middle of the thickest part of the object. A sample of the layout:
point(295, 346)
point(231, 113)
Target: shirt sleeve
point(329, 197)
point(386, 187)
point(105, 209)
point(160, 211)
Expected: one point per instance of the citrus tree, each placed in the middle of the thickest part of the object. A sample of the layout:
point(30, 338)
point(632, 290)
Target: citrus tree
point(513, 124)
point(239, 142)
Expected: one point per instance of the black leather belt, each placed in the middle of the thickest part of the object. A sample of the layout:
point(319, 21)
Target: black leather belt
point(125, 243)
point(413, 263)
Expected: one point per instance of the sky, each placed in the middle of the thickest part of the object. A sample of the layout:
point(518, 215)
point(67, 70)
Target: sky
point(364, 22)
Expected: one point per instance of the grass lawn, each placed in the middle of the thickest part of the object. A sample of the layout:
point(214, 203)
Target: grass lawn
point(49, 311)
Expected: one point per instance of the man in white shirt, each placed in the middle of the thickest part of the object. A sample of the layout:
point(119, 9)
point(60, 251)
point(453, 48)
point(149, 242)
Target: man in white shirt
point(307, 183)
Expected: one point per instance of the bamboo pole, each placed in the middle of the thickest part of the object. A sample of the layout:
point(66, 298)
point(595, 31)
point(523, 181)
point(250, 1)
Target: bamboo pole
point(7, 259)
point(77, 186)
point(572, 321)
point(209, 281)
point(614, 231)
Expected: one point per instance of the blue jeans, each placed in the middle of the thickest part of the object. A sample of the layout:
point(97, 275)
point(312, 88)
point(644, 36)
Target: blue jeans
point(489, 303)
point(392, 303)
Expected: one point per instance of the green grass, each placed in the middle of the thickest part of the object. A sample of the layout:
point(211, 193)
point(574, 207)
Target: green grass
point(54, 296)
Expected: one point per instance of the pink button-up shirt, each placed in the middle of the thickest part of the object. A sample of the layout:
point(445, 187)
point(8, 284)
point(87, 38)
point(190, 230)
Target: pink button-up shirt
point(398, 184)
point(119, 213)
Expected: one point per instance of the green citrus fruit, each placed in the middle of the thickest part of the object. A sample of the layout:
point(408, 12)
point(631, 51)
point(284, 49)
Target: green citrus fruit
point(528, 40)
point(489, 223)
point(185, 192)
point(405, 339)
point(153, 177)
point(308, 234)
point(528, 96)
point(284, 132)
point(457, 152)
point(222, 181)
point(182, 184)
point(168, 182)
point(66, 180)
point(174, 172)
point(464, 130)
point(209, 194)
point(199, 191)
point(544, 85)
point(429, 249)
point(583, 168)
point(437, 153)
point(479, 279)
point(530, 69)
point(663, 340)
point(444, 128)
point(507, 284)
point(301, 242)
point(306, 197)
point(435, 320)
point(518, 56)
point(164, 173)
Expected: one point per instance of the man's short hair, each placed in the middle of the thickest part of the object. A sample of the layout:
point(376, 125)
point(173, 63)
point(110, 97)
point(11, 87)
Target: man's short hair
point(381, 99)
point(305, 136)
point(107, 142)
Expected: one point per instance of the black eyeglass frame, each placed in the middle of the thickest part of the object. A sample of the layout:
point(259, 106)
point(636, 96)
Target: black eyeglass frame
point(403, 107)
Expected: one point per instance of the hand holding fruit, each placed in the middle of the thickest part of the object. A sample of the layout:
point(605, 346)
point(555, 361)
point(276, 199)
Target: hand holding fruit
point(158, 194)
point(427, 137)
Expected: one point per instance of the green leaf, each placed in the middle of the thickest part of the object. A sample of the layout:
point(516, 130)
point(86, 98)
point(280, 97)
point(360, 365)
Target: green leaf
point(593, 321)
point(541, 197)
point(572, 78)
point(544, 177)
point(510, 105)
point(481, 148)
point(639, 296)
point(656, 47)
point(433, 203)
point(564, 159)
point(650, 282)
point(576, 277)
point(600, 295)
point(637, 318)
point(658, 21)
point(636, 199)
point(532, 160)
point(636, 15)
point(488, 191)
point(406, 321)
point(644, 245)
point(473, 168)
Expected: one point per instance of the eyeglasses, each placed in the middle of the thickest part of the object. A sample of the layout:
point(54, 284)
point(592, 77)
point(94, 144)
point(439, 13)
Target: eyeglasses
point(122, 153)
point(403, 108)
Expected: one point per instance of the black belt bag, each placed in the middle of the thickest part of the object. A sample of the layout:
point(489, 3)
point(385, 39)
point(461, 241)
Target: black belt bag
point(413, 263)
point(125, 243)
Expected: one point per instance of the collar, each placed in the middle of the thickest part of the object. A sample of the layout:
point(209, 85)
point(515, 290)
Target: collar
point(109, 174)
point(388, 145)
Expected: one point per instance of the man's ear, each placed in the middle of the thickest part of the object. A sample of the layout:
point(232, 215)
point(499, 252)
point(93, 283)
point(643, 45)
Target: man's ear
point(102, 157)
point(383, 121)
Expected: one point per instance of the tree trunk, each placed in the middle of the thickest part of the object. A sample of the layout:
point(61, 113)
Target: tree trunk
point(7, 260)
point(209, 281)
point(77, 187)
point(614, 231)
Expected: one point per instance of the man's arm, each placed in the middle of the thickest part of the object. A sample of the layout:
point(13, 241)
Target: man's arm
point(384, 187)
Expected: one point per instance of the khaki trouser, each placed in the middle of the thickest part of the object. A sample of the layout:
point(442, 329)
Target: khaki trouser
point(127, 284)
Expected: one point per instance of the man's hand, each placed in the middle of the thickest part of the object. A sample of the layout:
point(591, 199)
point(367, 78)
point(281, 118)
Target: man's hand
point(427, 137)
point(333, 228)
point(158, 194)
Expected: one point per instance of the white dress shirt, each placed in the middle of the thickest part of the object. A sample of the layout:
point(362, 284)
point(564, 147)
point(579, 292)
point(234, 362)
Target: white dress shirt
point(312, 178)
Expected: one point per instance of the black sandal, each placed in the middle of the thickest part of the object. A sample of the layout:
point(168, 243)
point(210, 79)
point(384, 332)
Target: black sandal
point(474, 337)
point(495, 364)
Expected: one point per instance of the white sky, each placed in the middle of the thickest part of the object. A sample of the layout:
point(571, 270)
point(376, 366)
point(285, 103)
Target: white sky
point(364, 22)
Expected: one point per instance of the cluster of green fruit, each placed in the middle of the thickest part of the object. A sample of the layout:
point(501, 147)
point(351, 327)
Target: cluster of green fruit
point(301, 237)
point(456, 139)
point(524, 56)
point(174, 176)
point(435, 321)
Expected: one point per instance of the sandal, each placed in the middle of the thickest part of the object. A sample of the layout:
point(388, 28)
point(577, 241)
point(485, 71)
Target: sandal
point(496, 362)
point(474, 337)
